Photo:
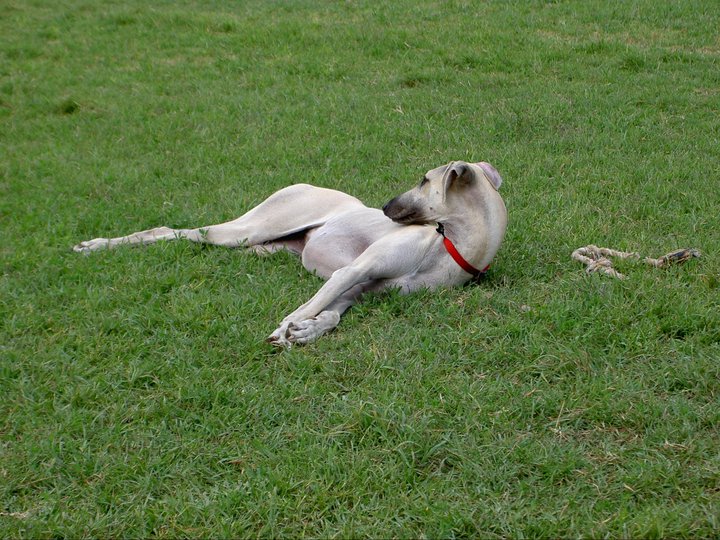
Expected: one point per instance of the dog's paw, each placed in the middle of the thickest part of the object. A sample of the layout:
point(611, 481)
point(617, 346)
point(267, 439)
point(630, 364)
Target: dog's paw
point(303, 332)
point(92, 245)
point(281, 336)
point(309, 330)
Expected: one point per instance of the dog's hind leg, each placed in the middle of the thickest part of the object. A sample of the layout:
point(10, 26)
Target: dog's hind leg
point(286, 212)
point(149, 236)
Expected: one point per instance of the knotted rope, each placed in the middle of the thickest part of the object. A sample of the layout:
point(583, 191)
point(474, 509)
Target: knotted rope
point(596, 259)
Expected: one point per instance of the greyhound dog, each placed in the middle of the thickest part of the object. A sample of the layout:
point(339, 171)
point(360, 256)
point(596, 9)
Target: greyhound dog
point(359, 249)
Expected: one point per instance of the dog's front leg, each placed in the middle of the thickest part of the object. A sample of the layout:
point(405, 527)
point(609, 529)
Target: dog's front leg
point(378, 262)
point(322, 312)
point(308, 330)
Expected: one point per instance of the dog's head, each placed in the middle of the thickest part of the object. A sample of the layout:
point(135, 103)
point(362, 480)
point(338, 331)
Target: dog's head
point(444, 192)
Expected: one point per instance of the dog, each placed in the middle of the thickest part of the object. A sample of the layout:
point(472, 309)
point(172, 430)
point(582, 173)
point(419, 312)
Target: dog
point(443, 232)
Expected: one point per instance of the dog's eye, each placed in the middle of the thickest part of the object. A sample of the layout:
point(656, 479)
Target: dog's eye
point(424, 181)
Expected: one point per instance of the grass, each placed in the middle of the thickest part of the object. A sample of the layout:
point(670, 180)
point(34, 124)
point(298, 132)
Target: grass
point(138, 396)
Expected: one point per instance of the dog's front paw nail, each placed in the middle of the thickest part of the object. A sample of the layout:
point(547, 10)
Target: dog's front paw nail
point(281, 337)
point(280, 343)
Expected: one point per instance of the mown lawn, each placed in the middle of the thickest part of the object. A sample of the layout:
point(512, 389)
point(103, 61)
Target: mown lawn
point(138, 396)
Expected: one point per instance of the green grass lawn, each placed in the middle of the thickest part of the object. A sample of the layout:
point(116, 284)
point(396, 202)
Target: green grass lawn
point(138, 396)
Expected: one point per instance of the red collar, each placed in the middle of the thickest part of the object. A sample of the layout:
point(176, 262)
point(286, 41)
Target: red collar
point(455, 254)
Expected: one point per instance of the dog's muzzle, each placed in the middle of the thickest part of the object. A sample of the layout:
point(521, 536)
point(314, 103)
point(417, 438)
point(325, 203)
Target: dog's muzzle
point(396, 211)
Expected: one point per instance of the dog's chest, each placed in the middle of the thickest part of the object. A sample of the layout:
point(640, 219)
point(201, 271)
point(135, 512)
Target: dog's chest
point(340, 241)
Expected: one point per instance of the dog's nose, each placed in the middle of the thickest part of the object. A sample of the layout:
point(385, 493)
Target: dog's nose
point(387, 206)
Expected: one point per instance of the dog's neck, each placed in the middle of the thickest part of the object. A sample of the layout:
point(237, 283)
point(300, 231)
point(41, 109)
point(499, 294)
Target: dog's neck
point(457, 256)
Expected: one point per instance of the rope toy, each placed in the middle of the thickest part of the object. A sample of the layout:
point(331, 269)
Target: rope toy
point(596, 259)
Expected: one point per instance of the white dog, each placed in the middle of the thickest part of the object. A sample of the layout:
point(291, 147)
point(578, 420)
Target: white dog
point(443, 232)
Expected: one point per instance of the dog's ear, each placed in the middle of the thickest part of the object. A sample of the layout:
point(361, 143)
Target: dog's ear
point(491, 174)
point(458, 176)
point(458, 171)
